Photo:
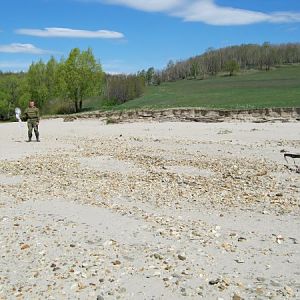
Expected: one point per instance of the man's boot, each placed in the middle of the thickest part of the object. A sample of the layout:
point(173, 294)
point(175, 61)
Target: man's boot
point(37, 137)
point(29, 139)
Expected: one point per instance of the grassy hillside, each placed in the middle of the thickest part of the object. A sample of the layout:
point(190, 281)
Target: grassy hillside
point(255, 89)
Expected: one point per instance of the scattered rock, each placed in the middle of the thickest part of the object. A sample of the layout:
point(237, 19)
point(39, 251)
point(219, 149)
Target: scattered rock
point(236, 297)
point(116, 262)
point(239, 261)
point(215, 281)
point(157, 256)
point(69, 119)
point(279, 239)
point(289, 290)
point(24, 246)
point(181, 257)
point(260, 279)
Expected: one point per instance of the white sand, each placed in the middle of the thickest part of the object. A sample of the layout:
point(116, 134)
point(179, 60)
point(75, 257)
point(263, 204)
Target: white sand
point(149, 211)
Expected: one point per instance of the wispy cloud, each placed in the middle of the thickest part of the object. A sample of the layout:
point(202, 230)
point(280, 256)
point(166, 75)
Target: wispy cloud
point(206, 11)
point(23, 48)
point(70, 33)
point(285, 17)
point(147, 5)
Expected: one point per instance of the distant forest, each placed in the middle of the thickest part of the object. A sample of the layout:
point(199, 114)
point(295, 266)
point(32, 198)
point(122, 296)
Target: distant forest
point(229, 59)
point(62, 86)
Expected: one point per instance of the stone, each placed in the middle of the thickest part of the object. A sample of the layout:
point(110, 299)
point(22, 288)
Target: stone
point(289, 290)
point(279, 239)
point(181, 257)
point(24, 246)
point(157, 256)
point(215, 281)
point(236, 297)
point(260, 279)
point(239, 261)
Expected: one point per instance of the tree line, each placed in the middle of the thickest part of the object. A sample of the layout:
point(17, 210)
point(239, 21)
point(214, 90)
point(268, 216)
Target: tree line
point(229, 59)
point(121, 88)
point(65, 84)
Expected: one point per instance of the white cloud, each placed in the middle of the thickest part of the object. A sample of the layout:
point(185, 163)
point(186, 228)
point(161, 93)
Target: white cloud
point(71, 33)
point(285, 17)
point(148, 5)
point(207, 11)
point(23, 48)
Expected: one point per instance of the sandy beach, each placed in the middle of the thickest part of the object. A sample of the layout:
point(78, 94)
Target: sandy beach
point(149, 211)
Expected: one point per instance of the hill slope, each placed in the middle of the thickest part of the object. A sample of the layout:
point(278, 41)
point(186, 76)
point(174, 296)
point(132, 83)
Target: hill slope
point(257, 89)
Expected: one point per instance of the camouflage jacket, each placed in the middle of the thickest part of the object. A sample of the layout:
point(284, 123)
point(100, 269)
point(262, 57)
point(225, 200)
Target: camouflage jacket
point(32, 113)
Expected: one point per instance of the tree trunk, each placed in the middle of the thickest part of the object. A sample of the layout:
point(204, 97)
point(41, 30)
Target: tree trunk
point(76, 106)
point(8, 112)
point(80, 104)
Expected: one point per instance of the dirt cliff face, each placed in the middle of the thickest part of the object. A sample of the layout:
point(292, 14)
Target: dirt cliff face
point(194, 115)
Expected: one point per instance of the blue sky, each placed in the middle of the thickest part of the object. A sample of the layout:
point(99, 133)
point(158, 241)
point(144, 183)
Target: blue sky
point(130, 35)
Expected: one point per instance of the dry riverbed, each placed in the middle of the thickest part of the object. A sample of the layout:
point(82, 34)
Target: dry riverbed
point(149, 211)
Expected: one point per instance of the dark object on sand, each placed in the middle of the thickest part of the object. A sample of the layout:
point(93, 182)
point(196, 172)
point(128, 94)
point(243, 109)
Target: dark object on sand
point(293, 156)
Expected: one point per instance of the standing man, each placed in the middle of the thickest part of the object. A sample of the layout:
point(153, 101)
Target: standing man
point(32, 115)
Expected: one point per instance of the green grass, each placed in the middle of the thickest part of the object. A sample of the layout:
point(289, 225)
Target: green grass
point(254, 89)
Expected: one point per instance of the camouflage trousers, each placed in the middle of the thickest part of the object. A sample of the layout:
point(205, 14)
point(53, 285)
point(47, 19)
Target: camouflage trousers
point(33, 125)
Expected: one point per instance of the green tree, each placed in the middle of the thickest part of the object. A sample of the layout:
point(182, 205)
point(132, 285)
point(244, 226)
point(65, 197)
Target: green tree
point(194, 68)
point(51, 77)
point(82, 75)
point(3, 106)
point(37, 82)
point(157, 78)
point(12, 87)
point(149, 75)
point(122, 88)
point(267, 55)
point(232, 66)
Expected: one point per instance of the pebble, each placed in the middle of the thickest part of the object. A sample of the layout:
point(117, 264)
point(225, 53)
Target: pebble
point(236, 297)
point(289, 290)
point(239, 261)
point(261, 279)
point(181, 257)
point(25, 246)
point(213, 282)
